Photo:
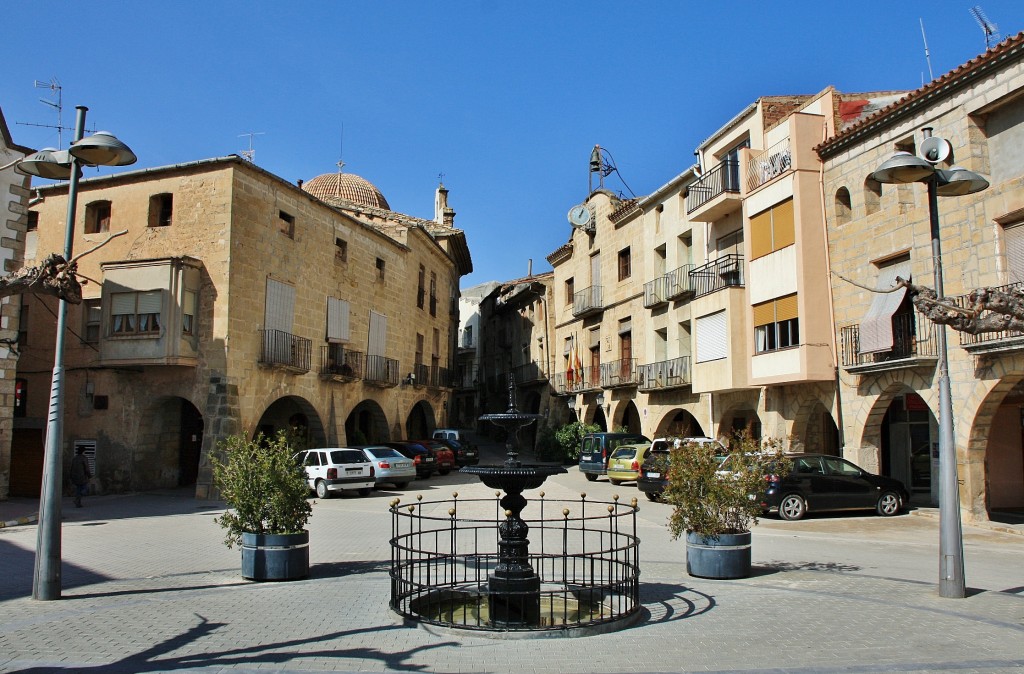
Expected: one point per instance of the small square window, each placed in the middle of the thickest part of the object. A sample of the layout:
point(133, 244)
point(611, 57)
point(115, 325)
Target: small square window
point(161, 210)
point(287, 224)
point(33, 221)
point(341, 249)
point(624, 264)
point(380, 268)
point(97, 217)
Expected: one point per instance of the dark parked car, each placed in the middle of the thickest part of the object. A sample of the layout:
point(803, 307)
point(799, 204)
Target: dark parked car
point(465, 454)
point(423, 457)
point(818, 482)
point(653, 477)
point(596, 448)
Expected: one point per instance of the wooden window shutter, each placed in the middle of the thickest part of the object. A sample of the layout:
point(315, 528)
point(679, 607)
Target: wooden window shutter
point(783, 225)
point(785, 308)
point(764, 313)
point(760, 235)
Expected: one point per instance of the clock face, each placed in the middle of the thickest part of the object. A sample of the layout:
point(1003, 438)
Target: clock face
point(579, 216)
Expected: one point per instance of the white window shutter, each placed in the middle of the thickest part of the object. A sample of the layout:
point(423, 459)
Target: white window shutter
point(712, 338)
point(280, 307)
point(378, 334)
point(337, 320)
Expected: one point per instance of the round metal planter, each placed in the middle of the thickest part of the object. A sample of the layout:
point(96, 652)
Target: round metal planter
point(722, 557)
point(275, 556)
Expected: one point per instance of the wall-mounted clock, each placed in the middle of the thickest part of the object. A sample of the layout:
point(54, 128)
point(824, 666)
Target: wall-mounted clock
point(579, 216)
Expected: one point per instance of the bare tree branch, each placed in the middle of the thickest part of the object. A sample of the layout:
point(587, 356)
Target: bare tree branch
point(55, 276)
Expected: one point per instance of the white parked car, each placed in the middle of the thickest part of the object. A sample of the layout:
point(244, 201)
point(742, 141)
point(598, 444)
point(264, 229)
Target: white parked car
point(335, 469)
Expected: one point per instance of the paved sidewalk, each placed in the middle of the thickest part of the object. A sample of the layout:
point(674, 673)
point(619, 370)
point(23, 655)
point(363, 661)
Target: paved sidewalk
point(148, 587)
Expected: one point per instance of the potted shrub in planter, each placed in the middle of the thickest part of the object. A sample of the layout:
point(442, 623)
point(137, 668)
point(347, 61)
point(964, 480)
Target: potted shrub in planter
point(266, 492)
point(716, 502)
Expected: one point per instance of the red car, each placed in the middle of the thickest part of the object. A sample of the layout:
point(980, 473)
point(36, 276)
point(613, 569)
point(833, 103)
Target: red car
point(443, 453)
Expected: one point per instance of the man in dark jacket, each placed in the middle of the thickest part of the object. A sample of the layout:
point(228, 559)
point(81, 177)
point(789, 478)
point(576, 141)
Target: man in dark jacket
point(80, 475)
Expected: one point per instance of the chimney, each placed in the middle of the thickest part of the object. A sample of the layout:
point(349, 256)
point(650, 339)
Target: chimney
point(443, 214)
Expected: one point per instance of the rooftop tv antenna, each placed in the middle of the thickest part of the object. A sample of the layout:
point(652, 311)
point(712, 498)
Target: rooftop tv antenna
point(927, 55)
point(54, 86)
point(990, 29)
point(250, 154)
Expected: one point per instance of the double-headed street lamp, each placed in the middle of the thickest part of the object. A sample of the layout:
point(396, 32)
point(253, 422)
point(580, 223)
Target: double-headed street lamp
point(904, 168)
point(99, 149)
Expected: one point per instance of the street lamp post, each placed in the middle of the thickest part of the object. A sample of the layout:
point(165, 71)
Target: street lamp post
point(99, 149)
point(905, 168)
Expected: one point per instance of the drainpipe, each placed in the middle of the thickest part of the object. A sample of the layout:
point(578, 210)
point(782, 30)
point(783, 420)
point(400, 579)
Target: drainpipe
point(831, 307)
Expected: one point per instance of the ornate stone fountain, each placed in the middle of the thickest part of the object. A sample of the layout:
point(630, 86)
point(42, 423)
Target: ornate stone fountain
point(514, 587)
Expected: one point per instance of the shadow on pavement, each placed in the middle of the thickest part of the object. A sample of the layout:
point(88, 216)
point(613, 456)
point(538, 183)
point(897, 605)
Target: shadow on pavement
point(776, 567)
point(665, 602)
point(274, 654)
point(342, 569)
point(19, 568)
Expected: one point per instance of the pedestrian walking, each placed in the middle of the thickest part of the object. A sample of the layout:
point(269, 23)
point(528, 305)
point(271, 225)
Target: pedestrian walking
point(80, 475)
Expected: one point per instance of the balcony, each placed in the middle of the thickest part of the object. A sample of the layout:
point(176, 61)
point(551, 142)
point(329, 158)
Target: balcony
point(725, 272)
point(656, 292)
point(767, 165)
point(991, 342)
point(381, 371)
point(678, 283)
point(587, 302)
point(619, 373)
point(285, 351)
point(529, 373)
point(341, 364)
point(563, 384)
point(664, 374)
point(913, 345)
point(466, 377)
point(439, 377)
point(716, 193)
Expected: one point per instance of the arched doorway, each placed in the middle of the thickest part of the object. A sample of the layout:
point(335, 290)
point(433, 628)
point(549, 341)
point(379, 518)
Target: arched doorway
point(630, 418)
point(740, 421)
point(297, 418)
point(1004, 454)
point(679, 424)
point(910, 446)
point(170, 440)
point(819, 433)
point(366, 425)
point(420, 422)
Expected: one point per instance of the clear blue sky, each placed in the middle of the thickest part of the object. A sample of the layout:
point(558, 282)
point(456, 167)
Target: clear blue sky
point(506, 99)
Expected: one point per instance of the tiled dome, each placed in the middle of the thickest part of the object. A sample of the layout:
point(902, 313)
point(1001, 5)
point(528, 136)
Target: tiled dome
point(348, 186)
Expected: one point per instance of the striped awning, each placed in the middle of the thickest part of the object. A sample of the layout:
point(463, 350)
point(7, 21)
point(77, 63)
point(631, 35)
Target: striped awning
point(876, 326)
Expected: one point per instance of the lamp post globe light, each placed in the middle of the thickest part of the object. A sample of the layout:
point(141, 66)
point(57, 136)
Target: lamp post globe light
point(904, 168)
point(99, 149)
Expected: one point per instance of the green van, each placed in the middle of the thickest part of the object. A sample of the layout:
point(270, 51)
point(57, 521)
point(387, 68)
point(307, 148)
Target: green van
point(597, 447)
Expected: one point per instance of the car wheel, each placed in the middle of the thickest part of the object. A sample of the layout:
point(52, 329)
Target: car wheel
point(401, 485)
point(651, 496)
point(591, 477)
point(321, 489)
point(792, 507)
point(888, 504)
point(615, 483)
point(365, 491)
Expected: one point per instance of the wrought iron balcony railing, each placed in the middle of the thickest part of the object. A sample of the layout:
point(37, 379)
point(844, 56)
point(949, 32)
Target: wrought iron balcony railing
point(913, 339)
point(341, 363)
point(286, 350)
point(563, 382)
point(381, 371)
point(529, 373)
point(664, 374)
point(619, 373)
point(678, 282)
point(716, 181)
point(725, 272)
point(769, 164)
point(656, 292)
point(587, 301)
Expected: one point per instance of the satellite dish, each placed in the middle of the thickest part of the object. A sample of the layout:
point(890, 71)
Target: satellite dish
point(935, 149)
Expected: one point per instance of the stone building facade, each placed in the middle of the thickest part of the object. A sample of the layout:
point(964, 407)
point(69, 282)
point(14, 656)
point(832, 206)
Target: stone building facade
point(888, 377)
point(14, 197)
point(236, 302)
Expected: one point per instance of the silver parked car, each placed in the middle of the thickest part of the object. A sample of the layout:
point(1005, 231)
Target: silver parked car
point(390, 466)
point(335, 469)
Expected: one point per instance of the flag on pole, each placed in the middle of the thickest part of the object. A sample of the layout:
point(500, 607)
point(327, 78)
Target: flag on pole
point(570, 373)
point(578, 365)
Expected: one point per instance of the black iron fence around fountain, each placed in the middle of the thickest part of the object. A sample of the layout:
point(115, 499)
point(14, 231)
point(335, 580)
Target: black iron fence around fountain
point(445, 555)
